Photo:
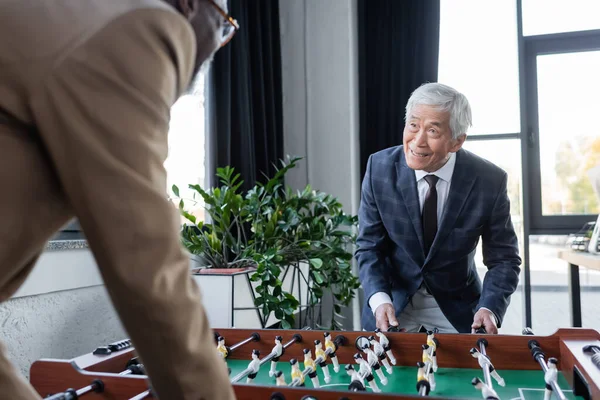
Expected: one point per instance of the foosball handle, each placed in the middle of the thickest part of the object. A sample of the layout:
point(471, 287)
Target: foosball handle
point(340, 340)
point(595, 351)
point(536, 350)
point(528, 331)
point(480, 331)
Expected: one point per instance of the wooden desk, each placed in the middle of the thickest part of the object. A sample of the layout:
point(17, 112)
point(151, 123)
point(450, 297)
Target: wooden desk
point(577, 259)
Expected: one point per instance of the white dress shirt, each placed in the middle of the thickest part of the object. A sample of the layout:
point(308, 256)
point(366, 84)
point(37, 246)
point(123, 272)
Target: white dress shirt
point(443, 189)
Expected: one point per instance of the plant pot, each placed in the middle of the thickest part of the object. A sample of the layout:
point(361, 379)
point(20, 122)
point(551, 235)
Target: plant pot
point(228, 295)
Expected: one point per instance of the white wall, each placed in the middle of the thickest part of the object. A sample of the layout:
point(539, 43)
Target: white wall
point(61, 311)
point(320, 96)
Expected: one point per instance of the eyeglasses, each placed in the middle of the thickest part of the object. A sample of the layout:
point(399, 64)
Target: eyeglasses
point(229, 28)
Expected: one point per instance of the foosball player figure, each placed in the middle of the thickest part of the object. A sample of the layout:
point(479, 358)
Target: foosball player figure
point(385, 343)
point(428, 362)
point(221, 347)
point(422, 378)
point(320, 353)
point(484, 361)
point(330, 345)
point(365, 372)
point(278, 351)
point(279, 378)
point(254, 365)
point(356, 382)
point(380, 353)
point(486, 392)
point(551, 375)
point(310, 364)
point(297, 376)
point(373, 361)
point(432, 342)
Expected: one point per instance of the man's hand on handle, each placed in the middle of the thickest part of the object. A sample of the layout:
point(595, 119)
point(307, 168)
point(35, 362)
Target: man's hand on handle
point(385, 316)
point(484, 319)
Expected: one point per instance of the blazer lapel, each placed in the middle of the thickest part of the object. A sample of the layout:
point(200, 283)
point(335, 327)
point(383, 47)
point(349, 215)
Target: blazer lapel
point(462, 183)
point(407, 186)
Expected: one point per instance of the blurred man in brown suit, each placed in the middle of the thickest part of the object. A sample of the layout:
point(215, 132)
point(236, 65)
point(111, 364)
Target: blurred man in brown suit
point(85, 93)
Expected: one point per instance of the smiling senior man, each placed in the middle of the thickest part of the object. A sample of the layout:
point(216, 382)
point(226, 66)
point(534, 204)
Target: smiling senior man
point(424, 207)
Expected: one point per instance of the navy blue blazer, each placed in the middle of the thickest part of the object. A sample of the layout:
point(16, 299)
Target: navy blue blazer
point(390, 251)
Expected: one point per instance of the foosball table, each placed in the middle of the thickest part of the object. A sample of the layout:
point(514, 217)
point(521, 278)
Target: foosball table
point(311, 364)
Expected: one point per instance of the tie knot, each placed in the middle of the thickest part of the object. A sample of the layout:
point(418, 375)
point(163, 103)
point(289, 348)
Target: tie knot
point(431, 179)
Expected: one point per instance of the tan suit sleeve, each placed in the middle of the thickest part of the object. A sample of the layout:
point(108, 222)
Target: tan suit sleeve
point(103, 116)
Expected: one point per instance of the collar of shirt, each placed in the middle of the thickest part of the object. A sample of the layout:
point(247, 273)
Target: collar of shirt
point(444, 173)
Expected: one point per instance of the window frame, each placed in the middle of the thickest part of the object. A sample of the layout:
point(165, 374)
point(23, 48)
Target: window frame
point(533, 46)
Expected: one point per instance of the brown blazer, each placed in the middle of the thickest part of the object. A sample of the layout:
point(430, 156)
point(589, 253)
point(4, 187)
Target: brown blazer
point(85, 94)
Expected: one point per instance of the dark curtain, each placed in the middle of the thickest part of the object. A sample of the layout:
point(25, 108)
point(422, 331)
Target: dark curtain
point(398, 51)
point(245, 96)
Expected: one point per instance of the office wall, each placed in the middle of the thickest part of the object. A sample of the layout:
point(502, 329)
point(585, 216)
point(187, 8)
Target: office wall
point(61, 311)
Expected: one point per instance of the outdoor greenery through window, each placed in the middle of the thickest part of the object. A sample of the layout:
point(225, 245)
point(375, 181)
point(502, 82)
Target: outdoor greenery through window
point(569, 137)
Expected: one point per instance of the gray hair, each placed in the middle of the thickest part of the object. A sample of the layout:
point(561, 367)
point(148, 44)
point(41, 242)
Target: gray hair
point(446, 99)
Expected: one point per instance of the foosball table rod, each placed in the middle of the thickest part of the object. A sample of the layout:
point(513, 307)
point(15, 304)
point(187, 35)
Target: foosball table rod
point(144, 395)
point(539, 356)
point(248, 371)
point(482, 343)
point(97, 386)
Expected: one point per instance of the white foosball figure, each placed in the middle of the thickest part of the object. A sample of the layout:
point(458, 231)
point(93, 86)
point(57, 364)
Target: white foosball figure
point(486, 392)
point(254, 365)
point(279, 378)
point(221, 347)
point(278, 350)
point(366, 373)
point(380, 352)
point(357, 383)
point(432, 348)
point(385, 343)
point(484, 361)
point(373, 361)
point(426, 358)
point(329, 345)
point(550, 376)
point(310, 364)
point(422, 380)
point(321, 359)
point(297, 376)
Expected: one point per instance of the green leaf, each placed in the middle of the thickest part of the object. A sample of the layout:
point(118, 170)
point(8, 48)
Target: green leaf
point(285, 324)
point(175, 190)
point(316, 263)
point(279, 313)
point(318, 277)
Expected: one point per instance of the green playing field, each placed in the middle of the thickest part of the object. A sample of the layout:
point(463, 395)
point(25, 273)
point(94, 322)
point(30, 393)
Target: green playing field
point(450, 382)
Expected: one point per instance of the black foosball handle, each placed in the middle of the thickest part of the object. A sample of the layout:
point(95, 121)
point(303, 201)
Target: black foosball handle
point(528, 331)
point(595, 352)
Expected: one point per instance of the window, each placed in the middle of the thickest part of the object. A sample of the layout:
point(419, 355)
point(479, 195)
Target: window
point(558, 16)
point(561, 76)
point(568, 133)
point(478, 57)
point(185, 163)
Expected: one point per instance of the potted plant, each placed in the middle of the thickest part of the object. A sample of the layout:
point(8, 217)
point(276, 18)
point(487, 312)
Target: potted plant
point(294, 247)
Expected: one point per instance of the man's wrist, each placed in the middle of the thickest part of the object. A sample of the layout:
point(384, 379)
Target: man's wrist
point(378, 299)
point(491, 312)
